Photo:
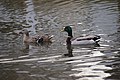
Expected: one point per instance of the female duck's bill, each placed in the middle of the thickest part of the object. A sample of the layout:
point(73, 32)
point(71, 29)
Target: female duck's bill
point(84, 40)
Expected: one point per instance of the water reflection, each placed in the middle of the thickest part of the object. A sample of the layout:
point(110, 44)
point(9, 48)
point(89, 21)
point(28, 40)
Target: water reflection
point(8, 75)
point(69, 47)
point(28, 45)
point(31, 16)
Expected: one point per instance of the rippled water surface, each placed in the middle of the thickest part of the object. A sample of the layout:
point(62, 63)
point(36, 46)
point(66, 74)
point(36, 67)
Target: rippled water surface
point(20, 61)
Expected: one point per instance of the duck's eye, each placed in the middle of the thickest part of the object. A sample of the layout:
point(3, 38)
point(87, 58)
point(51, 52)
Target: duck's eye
point(65, 29)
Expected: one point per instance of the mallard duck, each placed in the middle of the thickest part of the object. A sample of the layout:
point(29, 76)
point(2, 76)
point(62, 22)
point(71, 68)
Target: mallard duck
point(83, 40)
point(36, 38)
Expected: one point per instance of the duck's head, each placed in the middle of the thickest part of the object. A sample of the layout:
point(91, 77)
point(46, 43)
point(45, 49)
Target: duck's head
point(68, 29)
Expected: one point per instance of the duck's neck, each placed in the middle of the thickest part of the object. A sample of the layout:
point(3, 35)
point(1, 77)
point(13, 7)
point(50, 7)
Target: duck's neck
point(68, 41)
point(25, 37)
point(70, 34)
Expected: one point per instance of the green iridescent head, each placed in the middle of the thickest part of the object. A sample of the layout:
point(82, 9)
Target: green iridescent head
point(68, 29)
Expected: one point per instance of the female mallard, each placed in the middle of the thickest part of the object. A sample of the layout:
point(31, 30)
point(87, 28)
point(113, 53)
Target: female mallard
point(35, 39)
point(84, 40)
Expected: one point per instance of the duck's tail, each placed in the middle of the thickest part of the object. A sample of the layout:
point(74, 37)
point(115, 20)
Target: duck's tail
point(96, 38)
point(50, 37)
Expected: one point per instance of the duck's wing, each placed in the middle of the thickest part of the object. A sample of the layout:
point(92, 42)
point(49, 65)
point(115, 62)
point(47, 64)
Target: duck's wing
point(51, 36)
point(36, 37)
point(90, 37)
point(45, 38)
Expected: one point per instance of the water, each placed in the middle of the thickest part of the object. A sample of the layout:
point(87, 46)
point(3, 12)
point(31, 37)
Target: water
point(19, 61)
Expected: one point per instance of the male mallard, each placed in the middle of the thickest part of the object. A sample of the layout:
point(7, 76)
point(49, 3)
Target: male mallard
point(84, 40)
point(36, 38)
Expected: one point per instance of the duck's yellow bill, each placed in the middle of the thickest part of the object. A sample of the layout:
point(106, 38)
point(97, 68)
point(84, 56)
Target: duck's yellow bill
point(63, 29)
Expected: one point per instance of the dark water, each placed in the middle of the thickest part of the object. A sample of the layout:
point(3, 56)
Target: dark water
point(19, 61)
